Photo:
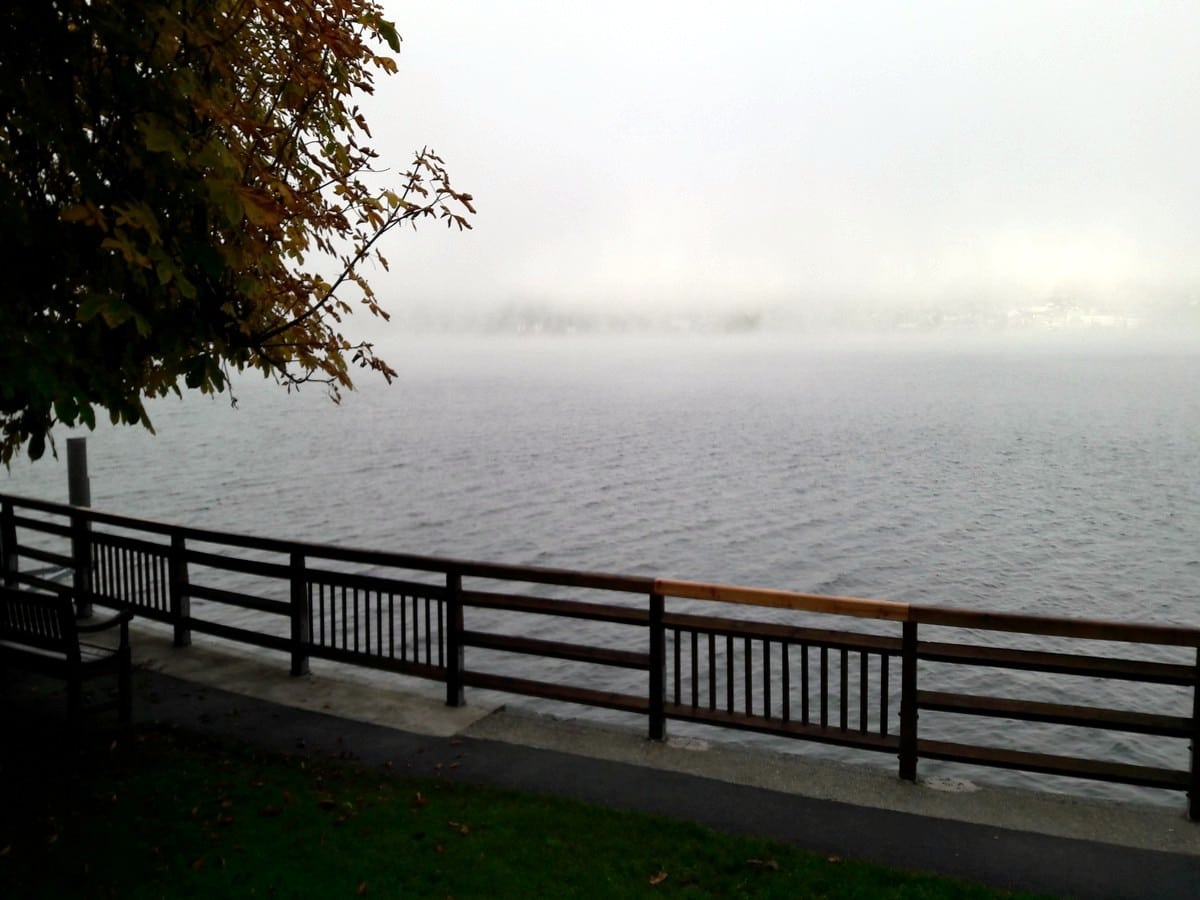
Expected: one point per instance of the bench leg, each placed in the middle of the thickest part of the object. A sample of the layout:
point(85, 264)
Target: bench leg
point(74, 701)
point(125, 689)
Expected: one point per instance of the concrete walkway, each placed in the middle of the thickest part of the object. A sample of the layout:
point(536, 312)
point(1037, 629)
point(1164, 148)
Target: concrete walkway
point(1010, 839)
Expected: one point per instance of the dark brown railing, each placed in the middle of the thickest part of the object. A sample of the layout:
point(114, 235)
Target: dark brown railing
point(469, 624)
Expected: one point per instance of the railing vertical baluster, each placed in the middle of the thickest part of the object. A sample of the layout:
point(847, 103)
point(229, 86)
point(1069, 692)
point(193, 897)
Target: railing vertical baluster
point(181, 601)
point(766, 678)
point(729, 673)
point(9, 552)
point(367, 619)
point(164, 584)
point(454, 647)
point(441, 641)
point(321, 601)
point(695, 669)
point(301, 630)
point(416, 628)
point(135, 574)
point(345, 621)
point(428, 633)
point(804, 683)
point(658, 669)
point(99, 568)
point(845, 689)
point(403, 629)
point(312, 612)
point(1194, 787)
point(908, 703)
point(863, 674)
point(160, 583)
point(786, 686)
point(885, 664)
point(392, 624)
point(712, 670)
point(333, 616)
point(824, 686)
point(678, 668)
point(379, 622)
point(748, 661)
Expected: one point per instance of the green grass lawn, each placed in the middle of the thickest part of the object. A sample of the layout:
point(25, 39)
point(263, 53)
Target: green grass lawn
point(168, 814)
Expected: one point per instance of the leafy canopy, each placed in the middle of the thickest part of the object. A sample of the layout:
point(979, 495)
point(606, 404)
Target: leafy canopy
point(185, 190)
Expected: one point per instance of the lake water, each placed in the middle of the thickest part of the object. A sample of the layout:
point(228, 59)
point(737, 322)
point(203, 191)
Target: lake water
point(1045, 478)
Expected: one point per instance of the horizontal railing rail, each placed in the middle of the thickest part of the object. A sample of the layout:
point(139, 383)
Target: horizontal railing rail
point(491, 626)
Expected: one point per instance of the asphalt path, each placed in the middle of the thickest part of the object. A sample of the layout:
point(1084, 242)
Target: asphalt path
point(1000, 857)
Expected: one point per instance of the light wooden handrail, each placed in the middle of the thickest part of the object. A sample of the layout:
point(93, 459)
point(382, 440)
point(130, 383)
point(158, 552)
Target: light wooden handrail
point(728, 593)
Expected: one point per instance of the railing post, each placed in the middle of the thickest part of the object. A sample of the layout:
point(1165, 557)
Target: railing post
point(9, 555)
point(177, 591)
point(81, 563)
point(658, 668)
point(454, 646)
point(908, 703)
point(301, 626)
point(1194, 787)
point(79, 494)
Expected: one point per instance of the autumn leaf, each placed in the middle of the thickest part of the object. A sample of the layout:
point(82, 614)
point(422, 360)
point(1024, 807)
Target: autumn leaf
point(658, 878)
point(764, 864)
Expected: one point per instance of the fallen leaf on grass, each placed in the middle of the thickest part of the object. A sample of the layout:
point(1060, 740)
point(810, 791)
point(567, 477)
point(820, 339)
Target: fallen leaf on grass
point(420, 799)
point(764, 864)
point(833, 858)
point(460, 827)
point(362, 888)
point(658, 878)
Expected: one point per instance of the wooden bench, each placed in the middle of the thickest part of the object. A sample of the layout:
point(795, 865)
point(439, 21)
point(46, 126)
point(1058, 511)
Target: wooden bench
point(39, 632)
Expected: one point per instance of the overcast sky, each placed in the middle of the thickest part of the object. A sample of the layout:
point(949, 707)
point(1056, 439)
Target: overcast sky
point(718, 154)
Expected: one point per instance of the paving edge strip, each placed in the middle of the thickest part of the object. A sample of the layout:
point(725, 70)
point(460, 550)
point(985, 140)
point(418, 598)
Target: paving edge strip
point(420, 708)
